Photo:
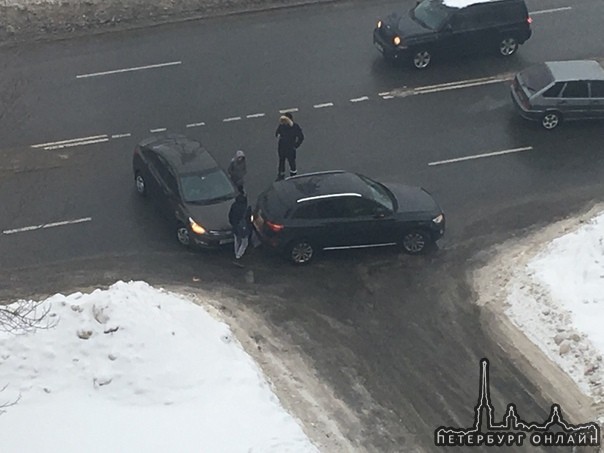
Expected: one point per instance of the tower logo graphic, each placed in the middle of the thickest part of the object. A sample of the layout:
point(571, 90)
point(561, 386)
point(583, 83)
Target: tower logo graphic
point(554, 431)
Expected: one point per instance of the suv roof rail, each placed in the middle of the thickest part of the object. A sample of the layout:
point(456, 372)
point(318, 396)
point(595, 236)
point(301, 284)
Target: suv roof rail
point(326, 172)
point(330, 195)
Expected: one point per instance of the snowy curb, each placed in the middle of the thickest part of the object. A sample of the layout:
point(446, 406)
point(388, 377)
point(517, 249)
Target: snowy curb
point(566, 364)
point(34, 20)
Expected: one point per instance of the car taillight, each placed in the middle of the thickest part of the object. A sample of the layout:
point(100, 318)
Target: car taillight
point(276, 227)
point(529, 20)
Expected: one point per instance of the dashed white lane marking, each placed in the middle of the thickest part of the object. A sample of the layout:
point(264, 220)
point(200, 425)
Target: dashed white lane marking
point(71, 140)
point(292, 110)
point(553, 10)
point(121, 135)
point(388, 97)
point(138, 68)
point(322, 106)
point(385, 93)
point(479, 156)
point(159, 129)
point(233, 118)
point(361, 99)
point(47, 225)
point(255, 115)
point(196, 124)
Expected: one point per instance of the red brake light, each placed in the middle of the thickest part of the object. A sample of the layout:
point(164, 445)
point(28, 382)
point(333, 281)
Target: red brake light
point(274, 226)
point(529, 20)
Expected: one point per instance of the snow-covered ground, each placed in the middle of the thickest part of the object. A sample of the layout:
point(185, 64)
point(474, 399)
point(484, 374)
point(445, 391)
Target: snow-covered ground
point(557, 299)
point(136, 369)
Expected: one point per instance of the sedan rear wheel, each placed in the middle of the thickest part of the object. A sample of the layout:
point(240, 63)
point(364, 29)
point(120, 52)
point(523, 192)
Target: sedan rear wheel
point(141, 185)
point(182, 235)
point(551, 120)
point(422, 59)
point(415, 242)
point(508, 46)
point(301, 252)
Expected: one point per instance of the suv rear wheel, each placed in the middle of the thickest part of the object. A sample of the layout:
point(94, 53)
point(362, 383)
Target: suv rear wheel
point(301, 251)
point(508, 46)
point(415, 242)
point(551, 120)
point(422, 59)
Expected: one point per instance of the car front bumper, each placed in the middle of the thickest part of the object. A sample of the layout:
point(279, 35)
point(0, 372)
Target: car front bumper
point(387, 48)
point(211, 240)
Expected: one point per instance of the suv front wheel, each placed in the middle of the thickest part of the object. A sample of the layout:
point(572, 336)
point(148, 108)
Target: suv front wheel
point(508, 46)
point(421, 59)
point(415, 242)
point(301, 251)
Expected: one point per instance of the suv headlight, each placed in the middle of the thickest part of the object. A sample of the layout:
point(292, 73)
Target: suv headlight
point(438, 219)
point(396, 40)
point(196, 227)
point(379, 24)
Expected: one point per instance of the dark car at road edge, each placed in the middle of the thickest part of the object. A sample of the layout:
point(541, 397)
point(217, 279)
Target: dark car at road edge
point(332, 210)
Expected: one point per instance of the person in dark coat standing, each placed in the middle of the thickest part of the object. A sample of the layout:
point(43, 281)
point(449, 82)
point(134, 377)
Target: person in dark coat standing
point(240, 218)
point(237, 170)
point(290, 138)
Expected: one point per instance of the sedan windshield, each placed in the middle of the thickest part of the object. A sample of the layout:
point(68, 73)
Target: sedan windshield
point(206, 187)
point(431, 14)
point(379, 193)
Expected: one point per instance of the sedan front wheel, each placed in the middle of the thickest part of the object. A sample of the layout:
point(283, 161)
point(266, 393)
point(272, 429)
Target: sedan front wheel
point(551, 120)
point(182, 235)
point(422, 59)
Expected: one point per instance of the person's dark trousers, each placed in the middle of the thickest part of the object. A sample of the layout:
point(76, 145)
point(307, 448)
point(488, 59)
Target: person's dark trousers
point(290, 156)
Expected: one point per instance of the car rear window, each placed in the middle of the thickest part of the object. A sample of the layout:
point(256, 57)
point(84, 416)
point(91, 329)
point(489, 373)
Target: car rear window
point(273, 205)
point(536, 77)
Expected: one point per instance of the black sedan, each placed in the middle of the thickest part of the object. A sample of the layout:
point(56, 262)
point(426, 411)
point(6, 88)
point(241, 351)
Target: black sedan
point(339, 210)
point(188, 186)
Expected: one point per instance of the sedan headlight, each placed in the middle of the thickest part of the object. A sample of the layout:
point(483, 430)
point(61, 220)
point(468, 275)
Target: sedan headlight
point(396, 40)
point(196, 227)
point(438, 219)
point(379, 24)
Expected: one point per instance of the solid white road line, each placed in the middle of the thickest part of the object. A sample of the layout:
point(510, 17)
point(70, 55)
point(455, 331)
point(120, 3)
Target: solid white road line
point(71, 145)
point(160, 129)
point(292, 110)
point(322, 106)
point(196, 124)
point(121, 135)
point(82, 139)
point(553, 10)
point(234, 118)
point(138, 68)
point(255, 115)
point(361, 99)
point(47, 225)
point(388, 97)
point(479, 156)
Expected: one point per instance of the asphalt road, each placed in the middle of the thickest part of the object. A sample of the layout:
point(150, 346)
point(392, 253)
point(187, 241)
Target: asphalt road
point(403, 329)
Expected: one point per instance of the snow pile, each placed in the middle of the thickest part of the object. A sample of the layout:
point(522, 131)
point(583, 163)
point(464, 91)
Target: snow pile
point(464, 3)
point(134, 369)
point(558, 301)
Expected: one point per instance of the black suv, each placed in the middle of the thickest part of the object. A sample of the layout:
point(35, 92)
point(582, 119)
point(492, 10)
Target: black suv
point(436, 27)
point(188, 186)
point(339, 210)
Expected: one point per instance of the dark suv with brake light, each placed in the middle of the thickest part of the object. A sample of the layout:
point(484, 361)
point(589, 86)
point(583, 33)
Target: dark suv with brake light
point(437, 27)
point(332, 210)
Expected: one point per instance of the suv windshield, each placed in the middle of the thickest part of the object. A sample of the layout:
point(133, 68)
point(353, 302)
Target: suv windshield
point(379, 193)
point(431, 14)
point(206, 187)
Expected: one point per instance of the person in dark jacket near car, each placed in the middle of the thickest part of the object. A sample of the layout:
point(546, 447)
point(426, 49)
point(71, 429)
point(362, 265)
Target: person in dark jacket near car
point(237, 170)
point(240, 218)
point(290, 138)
